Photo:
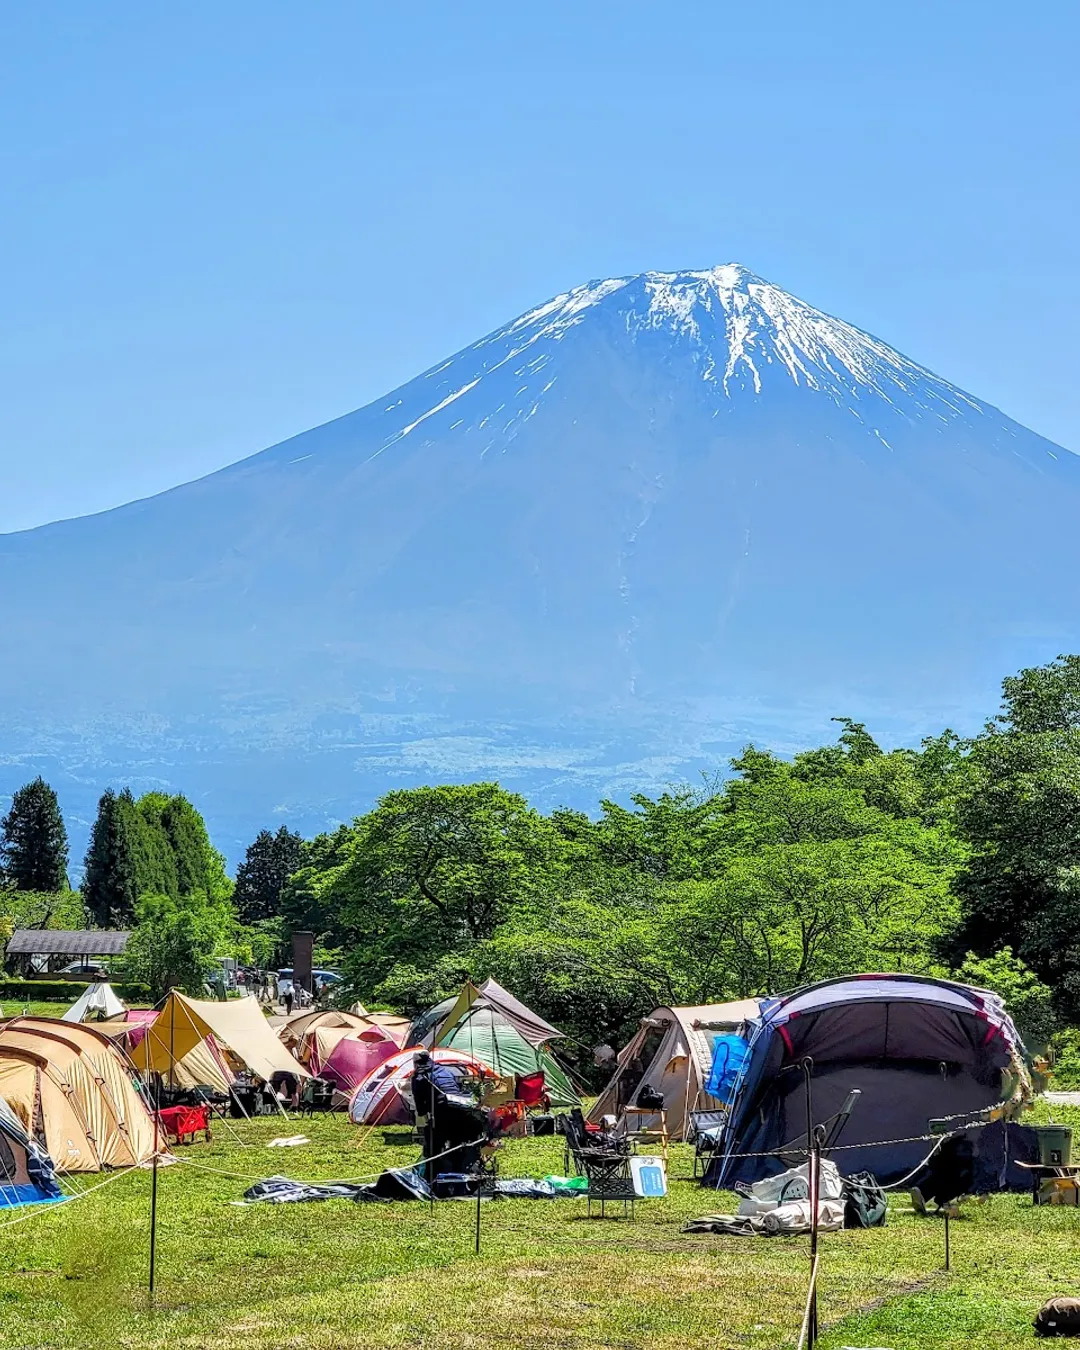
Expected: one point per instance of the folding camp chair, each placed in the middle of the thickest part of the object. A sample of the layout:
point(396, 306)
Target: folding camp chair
point(705, 1133)
point(317, 1095)
point(529, 1089)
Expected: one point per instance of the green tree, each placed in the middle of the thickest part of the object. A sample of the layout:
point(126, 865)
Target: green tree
point(33, 841)
point(432, 872)
point(1028, 1000)
point(110, 881)
point(155, 862)
point(175, 944)
point(1018, 805)
point(199, 866)
point(261, 878)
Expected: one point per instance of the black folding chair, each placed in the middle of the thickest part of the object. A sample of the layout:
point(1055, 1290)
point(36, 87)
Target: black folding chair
point(705, 1133)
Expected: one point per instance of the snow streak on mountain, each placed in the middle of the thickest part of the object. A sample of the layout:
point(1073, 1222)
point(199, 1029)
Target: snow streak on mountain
point(603, 545)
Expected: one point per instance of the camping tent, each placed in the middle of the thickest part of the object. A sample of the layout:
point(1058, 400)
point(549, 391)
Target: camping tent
point(355, 1055)
point(916, 1048)
point(203, 1066)
point(27, 1176)
point(236, 1026)
point(671, 1052)
point(495, 1028)
point(70, 1084)
point(298, 1034)
point(98, 1000)
point(381, 1099)
point(313, 1036)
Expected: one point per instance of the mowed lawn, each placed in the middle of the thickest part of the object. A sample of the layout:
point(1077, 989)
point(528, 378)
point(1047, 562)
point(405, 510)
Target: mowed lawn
point(339, 1274)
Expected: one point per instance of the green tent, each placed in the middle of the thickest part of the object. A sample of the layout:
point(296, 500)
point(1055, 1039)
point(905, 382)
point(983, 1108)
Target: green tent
point(478, 1026)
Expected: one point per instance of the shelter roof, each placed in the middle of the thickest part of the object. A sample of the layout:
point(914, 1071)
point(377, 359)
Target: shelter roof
point(66, 942)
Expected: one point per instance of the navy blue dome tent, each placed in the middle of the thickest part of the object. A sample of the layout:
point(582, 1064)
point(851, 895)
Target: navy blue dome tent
point(27, 1176)
point(917, 1049)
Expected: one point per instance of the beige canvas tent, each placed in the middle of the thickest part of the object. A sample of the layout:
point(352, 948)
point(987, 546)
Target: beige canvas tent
point(70, 1084)
point(672, 1054)
point(236, 1026)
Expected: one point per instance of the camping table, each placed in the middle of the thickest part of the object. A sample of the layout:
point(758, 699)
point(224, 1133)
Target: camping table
point(1042, 1172)
point(648, 1134)
point(608, 1175)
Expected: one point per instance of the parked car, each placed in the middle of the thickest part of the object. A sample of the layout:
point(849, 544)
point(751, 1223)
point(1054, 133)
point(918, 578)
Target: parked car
point(84, 970)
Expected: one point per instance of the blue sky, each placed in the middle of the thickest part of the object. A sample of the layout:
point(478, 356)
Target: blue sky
point(224, 224)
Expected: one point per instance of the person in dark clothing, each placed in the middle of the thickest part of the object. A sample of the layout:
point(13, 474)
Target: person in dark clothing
point(452, 1127)
point(286, 1086)
point(949, 1175)
point(288, 1001)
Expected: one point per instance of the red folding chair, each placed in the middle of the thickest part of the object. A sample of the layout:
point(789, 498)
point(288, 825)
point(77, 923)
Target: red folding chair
point(529, 1089)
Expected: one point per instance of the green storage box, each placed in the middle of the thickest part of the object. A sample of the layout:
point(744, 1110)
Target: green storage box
point(1055, 1145)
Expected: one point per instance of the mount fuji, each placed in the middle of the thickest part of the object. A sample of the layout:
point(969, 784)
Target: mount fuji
point(597, 550)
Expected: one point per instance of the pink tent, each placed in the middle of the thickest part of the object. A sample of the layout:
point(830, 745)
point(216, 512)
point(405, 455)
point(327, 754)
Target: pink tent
point(354, 1057)
point(380, 1099)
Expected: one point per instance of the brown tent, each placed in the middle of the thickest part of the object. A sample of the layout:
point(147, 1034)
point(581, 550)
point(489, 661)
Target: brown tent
point(69, 1084)
point(671, 1052)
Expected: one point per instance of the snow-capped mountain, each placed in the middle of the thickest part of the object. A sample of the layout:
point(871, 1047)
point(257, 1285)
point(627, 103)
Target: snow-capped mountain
point(641, 523)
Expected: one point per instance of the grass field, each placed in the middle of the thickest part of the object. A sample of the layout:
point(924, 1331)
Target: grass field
point(338, 1274)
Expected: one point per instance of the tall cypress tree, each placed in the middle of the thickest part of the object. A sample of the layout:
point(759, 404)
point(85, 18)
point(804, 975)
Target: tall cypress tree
point(33, 841)
point(110, 882)
point(186, 832)
point(270, 861)
point(155, 865)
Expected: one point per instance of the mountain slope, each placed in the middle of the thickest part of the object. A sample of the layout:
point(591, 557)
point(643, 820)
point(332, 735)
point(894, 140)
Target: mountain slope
point(651, 494)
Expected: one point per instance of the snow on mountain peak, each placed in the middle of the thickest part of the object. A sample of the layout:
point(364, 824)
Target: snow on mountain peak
point(744, 337)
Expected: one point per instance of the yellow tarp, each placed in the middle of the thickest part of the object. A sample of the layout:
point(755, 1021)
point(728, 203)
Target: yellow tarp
point(237, 1025)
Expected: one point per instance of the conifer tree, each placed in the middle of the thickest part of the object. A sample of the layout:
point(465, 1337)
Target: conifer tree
point(110, 882)
point(33, 841)
point(186, 832)
point(270, 861)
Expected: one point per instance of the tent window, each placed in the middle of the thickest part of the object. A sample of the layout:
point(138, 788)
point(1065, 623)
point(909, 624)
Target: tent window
point(8, 1167)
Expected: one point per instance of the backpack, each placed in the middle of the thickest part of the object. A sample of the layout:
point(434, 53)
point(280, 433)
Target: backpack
point(1059, 1317)
point(865, 1203)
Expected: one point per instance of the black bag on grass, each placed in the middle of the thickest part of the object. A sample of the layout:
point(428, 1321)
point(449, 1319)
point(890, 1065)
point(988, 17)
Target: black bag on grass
point(1059, 1317)
point(865, 1203)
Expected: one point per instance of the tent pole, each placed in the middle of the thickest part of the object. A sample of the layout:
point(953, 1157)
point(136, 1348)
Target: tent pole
point(814, 1161)
point(153, 1194)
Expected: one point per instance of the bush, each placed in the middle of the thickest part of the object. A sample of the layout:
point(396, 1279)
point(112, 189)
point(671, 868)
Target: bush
point(63, 991)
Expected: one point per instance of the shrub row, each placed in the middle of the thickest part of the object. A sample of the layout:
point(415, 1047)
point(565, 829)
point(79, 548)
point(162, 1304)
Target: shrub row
point(63, 991)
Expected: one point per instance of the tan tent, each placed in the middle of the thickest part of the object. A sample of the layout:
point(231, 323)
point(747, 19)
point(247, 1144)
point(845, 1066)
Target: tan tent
point(317, 1032)
point(313, 1036)
point(672, 1054)
point(71, 1084)
point(237, 1026)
